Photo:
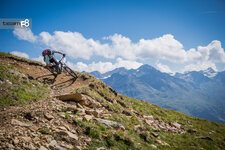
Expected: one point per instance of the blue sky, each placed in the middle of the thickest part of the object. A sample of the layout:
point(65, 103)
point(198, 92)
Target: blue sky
point(106, 34)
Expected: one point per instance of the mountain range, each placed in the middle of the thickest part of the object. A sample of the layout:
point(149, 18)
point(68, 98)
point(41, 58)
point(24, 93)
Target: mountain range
point(196, 93)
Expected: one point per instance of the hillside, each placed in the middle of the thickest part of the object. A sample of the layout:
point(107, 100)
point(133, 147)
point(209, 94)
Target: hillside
point(41, 111)
point(192, 93)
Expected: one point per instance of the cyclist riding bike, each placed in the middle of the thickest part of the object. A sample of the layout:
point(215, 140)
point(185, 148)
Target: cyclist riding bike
point(50, 60)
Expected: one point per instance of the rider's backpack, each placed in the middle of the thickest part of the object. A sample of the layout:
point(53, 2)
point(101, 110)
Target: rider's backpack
point(46, 52)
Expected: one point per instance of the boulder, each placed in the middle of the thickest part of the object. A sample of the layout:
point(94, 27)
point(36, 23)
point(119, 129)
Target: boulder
point(87, 117)
point(72, 135)
point(19, 123)
point(110, 124)
point(95, 113)
point(26, 139)
point(148, 117)
point(43, 148)
point(17, 73)
point(176, 125)
point(48, 116)
point(71, 97)
point(54, 145)
point(80, 98)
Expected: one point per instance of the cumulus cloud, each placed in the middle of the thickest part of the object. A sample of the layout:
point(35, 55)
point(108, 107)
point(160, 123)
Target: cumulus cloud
point(72, 43)
point(25, 34)
point(40, 59)
point(20, 54)
point(166, 47)
point(163, 68)
point(199, 66)
point(104, 66)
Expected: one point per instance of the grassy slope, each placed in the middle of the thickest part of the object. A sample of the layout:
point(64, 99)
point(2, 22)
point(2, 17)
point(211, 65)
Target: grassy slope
point(131, 138)
point(15, 90)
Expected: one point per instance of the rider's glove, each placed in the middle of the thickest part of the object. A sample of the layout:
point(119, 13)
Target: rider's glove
point(64, 55)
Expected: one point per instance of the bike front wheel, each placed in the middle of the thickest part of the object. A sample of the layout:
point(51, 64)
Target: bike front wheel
point(71, 72)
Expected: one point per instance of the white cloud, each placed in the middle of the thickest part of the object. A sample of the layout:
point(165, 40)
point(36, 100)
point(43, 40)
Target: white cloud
point(163, 68)
point(20, 54)
point(199, 66)
point(25, 34)
point(72, 43)
point(213, 52)
point(40, 59)
point(104, 66)
point(166, 47)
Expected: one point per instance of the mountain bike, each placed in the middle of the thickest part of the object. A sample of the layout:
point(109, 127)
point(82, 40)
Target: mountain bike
point(58, 68)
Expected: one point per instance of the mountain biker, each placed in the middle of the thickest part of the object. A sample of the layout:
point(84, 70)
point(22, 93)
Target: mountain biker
point(49, 58)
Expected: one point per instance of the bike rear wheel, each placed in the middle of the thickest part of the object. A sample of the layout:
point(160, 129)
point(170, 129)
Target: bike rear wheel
point(71, 72)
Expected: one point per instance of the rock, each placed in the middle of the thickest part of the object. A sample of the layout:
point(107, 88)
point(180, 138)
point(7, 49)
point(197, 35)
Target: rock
point(149, 122)
point(31, 147)
point(1, 82)
point(80, 106)
point(16, 141)
point(43, 148)
point(62, 128)
point(54, 145)
point(80, 98)
point(77, 97)
point(137, 126)
point(8, 82)
point(72, 108)
point(87, 117)
point(19, 123)
point(17, 73)
point(162, 143)
point(48, 116)
point(110, 124)
point(154, 134)
point(26, 139)
point(88, 140)
point(11, 146)
point(34, 128)
point(90, 102)
point(148, 117)
point(77, 148)
point(62, 114)
point(153, 146)
point(176, 125)
point(73, 136)
point(96, 113)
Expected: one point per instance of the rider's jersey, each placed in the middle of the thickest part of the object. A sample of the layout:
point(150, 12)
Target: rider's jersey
point(47, 57)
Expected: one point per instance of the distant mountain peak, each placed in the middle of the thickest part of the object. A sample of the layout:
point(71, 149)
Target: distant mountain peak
point(146, 67)
point(209, 72)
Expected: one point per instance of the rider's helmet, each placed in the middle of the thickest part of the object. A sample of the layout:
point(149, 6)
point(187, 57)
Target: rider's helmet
point(46, 52)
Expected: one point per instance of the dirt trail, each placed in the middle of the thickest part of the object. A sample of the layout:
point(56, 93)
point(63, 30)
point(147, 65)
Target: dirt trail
point(23, 123)
point(62, 84)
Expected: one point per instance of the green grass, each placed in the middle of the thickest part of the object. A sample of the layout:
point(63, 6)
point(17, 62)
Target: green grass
point(21, 91)
point(133, 138)
point(20, 58)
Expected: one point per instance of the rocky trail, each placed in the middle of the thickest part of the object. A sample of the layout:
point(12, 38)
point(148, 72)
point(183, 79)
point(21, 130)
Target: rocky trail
point(66, 119)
